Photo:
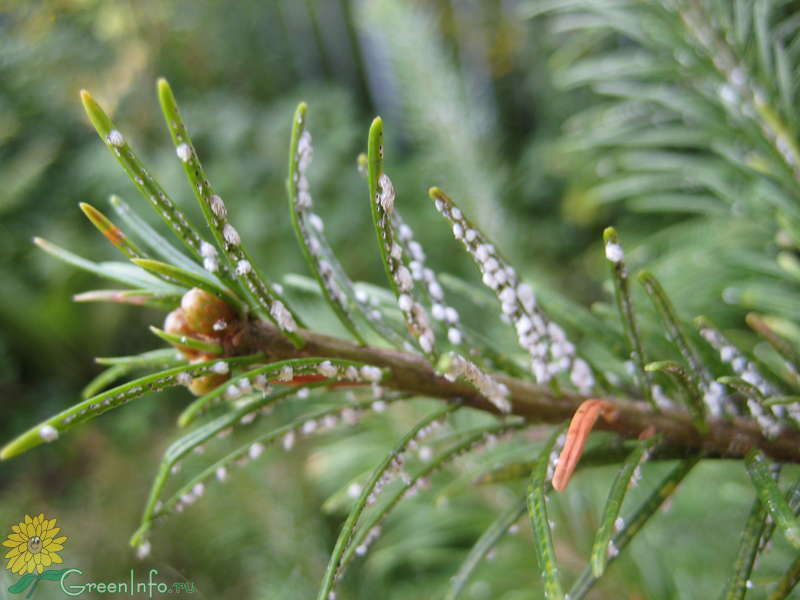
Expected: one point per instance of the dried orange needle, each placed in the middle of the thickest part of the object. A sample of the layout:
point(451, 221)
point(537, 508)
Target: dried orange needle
point(579, 429)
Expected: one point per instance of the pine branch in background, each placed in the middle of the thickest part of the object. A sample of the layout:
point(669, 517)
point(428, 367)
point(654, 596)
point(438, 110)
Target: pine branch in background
point(722, 155)
point(447, 121)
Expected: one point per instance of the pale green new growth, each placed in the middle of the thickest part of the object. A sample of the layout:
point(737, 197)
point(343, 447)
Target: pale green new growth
point(97, 405)
point(104, 379)
point(635, 522)
point(240, 271)
point(747, 389)
point(157, 244)
point(332, 573)
point(625, 479)
point(619, 272)
point(401, 281)
point(266, 439)
point(470, 440)
point(113, 233)
point(189, 279)
point(538, 487)
point(188, 341)
point(772, 498)
point(748, 550)
point(147, 186)
point(484, 545)
point(137, 297)
point(667, 312)
point(116, 271)
point(152, 359)
point(787, 582)
point(121, 366)
point(202, 434)
point(691, 389)
point(335, 286)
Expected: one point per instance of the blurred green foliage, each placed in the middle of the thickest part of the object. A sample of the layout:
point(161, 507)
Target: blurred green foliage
point(470, 103)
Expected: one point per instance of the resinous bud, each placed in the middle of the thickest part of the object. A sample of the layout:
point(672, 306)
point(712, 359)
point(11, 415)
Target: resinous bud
point(202, 309)
point(206, 383)
point(176, 324)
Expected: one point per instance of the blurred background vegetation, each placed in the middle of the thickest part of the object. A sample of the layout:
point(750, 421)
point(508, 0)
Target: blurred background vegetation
point(474, 99)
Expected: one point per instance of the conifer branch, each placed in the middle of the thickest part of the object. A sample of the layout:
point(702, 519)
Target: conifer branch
point(411, 373)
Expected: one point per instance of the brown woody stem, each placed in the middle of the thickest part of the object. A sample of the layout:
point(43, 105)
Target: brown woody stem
point(412, 373)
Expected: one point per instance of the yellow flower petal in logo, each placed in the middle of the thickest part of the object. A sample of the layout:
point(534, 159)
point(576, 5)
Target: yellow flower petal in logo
point(33, 545)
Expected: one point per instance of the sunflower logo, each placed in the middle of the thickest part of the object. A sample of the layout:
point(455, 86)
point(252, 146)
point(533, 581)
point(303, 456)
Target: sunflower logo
point(34, 545)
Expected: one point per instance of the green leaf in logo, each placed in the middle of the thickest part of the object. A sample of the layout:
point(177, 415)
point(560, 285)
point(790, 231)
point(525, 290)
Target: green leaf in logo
point(52, 574)
point(22, 584)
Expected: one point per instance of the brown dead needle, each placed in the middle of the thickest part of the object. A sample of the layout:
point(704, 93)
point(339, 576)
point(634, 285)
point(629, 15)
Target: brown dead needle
point(579, 429)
